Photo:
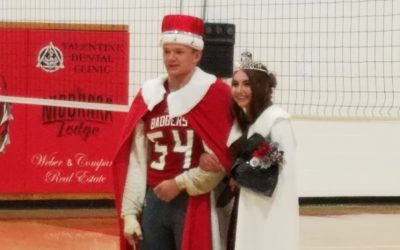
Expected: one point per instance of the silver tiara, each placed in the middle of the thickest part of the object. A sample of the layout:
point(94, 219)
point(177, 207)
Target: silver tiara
point(246, 62)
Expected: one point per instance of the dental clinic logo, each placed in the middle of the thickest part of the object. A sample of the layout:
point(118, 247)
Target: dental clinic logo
point(50, 58)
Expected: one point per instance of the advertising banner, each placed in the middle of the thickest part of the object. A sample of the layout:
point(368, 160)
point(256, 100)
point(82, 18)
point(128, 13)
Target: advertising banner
point(57, 149)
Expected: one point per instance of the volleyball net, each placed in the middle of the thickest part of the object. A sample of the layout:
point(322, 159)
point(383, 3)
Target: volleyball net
point(332, 59)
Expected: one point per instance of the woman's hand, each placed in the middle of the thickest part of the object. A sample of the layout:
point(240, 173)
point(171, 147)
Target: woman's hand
point(232, 184)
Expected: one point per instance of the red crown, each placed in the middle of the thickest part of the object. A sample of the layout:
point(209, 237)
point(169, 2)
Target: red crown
point(183, 23)
point(183, 29)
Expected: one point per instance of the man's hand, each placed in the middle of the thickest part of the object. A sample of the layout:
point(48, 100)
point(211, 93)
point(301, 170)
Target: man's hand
point(209, 162)
point(132, 230)
point(167, 190)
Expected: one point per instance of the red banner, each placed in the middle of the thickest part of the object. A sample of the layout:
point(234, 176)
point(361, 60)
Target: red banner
point(57, 149)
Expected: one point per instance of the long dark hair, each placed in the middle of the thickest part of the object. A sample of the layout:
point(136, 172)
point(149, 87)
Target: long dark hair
point(261, 85)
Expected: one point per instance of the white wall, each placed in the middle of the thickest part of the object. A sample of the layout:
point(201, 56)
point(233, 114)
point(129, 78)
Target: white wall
point(348, 158)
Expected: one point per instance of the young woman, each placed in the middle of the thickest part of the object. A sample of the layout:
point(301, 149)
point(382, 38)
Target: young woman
point(267, 206)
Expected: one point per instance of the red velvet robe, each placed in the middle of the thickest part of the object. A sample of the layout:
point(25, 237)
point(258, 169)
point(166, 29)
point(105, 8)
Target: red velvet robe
point(211, 119)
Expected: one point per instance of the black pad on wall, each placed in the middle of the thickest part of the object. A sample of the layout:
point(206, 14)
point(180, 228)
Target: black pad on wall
point(219, 41)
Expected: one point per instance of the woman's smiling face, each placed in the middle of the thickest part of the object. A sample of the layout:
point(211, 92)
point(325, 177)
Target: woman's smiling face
point(241, 90)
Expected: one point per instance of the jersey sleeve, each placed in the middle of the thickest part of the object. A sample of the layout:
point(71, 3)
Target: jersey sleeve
point(135, 185)
point(197, 181)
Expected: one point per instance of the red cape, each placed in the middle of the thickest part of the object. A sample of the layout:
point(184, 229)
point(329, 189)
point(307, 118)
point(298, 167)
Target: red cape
point(212, 120)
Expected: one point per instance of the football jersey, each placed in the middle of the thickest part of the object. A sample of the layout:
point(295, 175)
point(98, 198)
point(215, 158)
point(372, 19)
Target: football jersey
point(174, 147)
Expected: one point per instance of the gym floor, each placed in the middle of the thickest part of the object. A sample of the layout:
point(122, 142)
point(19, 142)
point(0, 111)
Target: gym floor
point(321, 228)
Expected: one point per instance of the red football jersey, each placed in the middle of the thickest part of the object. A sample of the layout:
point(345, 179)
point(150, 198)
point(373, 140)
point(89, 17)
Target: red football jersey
point(174, 146)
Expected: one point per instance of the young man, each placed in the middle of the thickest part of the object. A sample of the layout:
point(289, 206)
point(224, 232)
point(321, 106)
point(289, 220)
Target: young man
point(172, 121)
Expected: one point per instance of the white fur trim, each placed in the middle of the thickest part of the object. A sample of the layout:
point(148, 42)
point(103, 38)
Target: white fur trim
point(216, 240)
point(262, 125)
point(220, 218)
point(188, 39)
point(234, 134)
point(267, 119)
point(182, 100)
point(153, 91)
